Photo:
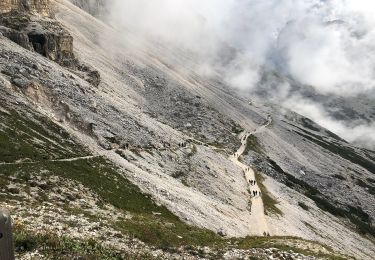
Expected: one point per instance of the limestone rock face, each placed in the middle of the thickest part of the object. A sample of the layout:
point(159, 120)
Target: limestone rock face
point(49, 39)
point(20, 38)
point(30, 24)
point(41, 7)
point(7, 6)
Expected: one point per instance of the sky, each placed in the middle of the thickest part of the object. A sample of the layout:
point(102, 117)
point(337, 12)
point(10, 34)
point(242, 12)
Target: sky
point(326, 44)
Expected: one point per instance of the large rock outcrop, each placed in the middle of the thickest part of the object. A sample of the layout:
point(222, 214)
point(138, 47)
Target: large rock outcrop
point(41, 7)
point(44, 36)
point(30, 24)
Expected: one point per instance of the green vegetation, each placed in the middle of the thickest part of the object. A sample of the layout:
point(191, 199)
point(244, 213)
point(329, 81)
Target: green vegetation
point(149, 222)
point(359, 218)
point(345, 152)
point(368, 187)
point(34, 138)
point(268, 200)
point(55, 247)
point(307, 123)
point(303, 205)
point(178, 174)
point(101, 177)
point(286, 244)
point(253, 145)
point(237, 129)
point(217, 145)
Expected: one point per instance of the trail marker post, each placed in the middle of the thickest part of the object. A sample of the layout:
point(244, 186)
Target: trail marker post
point(6, 237)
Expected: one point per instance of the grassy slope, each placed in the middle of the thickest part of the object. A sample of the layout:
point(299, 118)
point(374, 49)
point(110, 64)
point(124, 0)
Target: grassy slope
point(163, 231)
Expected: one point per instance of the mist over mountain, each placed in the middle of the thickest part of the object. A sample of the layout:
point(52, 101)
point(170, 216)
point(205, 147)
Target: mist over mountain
point(171, 129)
point(326, 47)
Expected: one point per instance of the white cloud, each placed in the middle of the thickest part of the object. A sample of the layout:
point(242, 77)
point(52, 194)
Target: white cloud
point(328, 44)
point(363, 134)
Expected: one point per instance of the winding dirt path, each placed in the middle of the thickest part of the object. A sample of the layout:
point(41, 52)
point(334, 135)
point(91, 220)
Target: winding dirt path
point(257, 207)
point(56, 160)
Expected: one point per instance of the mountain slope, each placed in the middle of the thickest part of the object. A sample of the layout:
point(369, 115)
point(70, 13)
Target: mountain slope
point(141, 112)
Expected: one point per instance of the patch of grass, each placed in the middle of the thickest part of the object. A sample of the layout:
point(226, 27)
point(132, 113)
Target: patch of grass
point(56, 247)
point(368, 187)
point(307, 123)
point(268, 200)
point(236, 129)
point(217, 145)
point(164, 230)
point(34, 138)
point(101, 177)
point(184, 182)
point(356, 216)
point(178, 174)
point(345, 152)
point(303, 205)
point(286, 244)
point(253, 145)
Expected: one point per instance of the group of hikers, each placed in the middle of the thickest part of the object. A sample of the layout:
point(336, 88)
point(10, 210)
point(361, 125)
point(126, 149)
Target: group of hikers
point(256, 193)
point(168, 145)
point(181, 144)
point(165, 145)
point(252, 182)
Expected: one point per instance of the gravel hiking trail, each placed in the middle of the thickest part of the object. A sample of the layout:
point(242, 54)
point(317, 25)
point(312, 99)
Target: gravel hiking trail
point(257, 207)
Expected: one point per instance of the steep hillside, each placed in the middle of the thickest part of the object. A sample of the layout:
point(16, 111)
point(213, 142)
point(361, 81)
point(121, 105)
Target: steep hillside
point(135, 153)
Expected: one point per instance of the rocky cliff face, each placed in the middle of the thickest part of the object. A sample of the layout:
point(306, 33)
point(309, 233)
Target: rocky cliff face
point(41, 7)
point(30, 24)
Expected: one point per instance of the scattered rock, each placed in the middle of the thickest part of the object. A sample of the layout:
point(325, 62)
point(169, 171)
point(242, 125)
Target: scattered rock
point(21, 83)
